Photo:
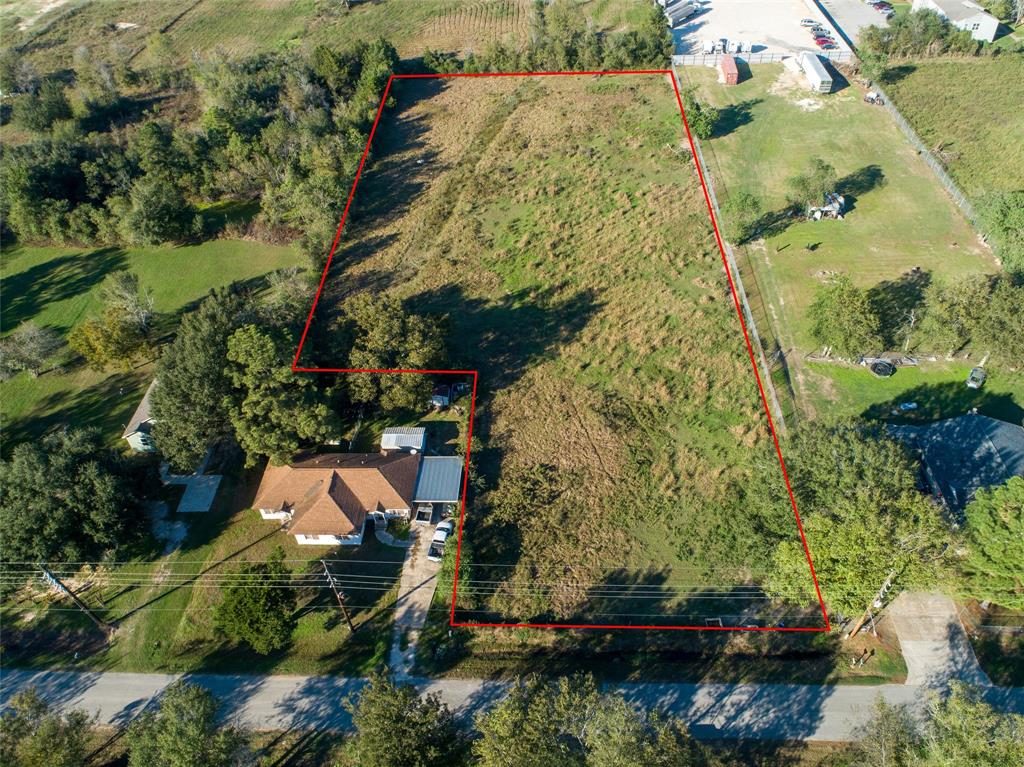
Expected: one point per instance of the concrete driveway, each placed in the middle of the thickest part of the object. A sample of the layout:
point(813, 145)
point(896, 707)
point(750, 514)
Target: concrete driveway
point(934, 643)
point(851, 16)
point(416, 592)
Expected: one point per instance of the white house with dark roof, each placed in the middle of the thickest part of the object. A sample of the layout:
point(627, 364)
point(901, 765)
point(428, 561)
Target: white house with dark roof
point(963, 14)
point(137, 431)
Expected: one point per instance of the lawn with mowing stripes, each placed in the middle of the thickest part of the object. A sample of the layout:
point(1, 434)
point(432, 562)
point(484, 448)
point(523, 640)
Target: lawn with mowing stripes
point(57, 288)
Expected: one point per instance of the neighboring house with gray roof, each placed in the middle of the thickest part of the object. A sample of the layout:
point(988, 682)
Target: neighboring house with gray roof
point(963, 14)
point(964, 454)
point(137, 431)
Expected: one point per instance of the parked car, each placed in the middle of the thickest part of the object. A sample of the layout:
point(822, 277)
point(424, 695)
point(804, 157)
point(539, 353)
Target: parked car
point(828, 46)
point(442, 532)
point(808, 23)
point(822, 39)
point(976, 379)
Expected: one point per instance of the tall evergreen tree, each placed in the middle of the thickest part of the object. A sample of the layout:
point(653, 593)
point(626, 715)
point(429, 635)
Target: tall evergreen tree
point(257, 609)
point(188, 401)
point(273, 410)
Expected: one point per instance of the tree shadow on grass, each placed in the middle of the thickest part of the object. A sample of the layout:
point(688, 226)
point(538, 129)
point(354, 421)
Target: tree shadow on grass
point(63, 277)
point(105, 406)
point(735, 116)
point(897, 301)
point(859, 183)
point(897, 73)
point(946, 400)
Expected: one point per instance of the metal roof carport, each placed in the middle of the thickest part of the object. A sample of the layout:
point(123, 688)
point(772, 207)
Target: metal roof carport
point(439, 480)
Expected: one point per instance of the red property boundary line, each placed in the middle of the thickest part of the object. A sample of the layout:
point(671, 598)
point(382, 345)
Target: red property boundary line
point(469, 434)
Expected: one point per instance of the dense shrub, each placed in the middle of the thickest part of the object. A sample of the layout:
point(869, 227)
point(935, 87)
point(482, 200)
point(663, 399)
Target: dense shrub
point(920, 33)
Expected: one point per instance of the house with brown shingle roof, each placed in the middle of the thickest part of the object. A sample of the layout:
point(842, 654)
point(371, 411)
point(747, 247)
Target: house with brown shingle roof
point(329, 497)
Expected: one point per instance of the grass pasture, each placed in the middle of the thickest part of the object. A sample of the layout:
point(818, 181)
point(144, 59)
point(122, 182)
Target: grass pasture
point(967, 110)
point(571, 250)
point(902, 232)
point(56, 287)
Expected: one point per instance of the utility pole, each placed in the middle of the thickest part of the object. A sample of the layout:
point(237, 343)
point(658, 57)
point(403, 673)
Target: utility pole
point(58, 584)
point(340, 596)
point(876, 603)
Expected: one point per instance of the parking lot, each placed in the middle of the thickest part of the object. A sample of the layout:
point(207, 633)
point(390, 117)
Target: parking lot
point(851, 16)
point(769, 26)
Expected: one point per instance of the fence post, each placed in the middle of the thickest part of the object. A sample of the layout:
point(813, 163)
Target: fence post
point(748, 317)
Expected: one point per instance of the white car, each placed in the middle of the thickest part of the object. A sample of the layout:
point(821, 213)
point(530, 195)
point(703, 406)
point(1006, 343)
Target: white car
point(808, 23)
point(442, 532)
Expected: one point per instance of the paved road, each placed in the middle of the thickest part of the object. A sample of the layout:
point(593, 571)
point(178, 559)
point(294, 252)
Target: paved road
point(766, 712)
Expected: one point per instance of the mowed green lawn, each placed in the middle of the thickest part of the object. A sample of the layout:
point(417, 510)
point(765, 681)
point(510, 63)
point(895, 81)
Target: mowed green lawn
point(938, 388)
point(163, 605)
point(57, 287)
point(970, 110)
point(901, 218)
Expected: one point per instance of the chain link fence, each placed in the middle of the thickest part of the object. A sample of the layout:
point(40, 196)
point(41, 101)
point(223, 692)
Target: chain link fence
point(712, 59)
point(765, 370)
point(933, 162)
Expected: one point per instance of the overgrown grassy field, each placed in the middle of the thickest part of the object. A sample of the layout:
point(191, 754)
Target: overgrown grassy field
point(902, 232)
point(56, 287)
point(245, 27)
point(555, 223)
point(968, 111)
point(163, 605)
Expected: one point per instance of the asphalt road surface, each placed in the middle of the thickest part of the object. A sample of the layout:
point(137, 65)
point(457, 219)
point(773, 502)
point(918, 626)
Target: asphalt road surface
point(756, 711)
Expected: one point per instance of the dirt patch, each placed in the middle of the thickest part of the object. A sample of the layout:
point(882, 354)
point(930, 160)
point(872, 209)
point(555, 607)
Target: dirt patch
point(792, 87)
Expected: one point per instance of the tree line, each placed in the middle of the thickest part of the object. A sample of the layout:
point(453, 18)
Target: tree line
point(865, 519)
point(285, 129)
point(561, 38)
point(980, 310)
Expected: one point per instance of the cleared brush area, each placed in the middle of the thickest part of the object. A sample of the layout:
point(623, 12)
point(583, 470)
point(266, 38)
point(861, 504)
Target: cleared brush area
point(968, 112)
point(619, 433)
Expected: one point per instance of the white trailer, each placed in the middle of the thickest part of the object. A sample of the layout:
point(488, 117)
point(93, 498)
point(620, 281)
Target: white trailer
point(817, 76)
point(678, 12)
